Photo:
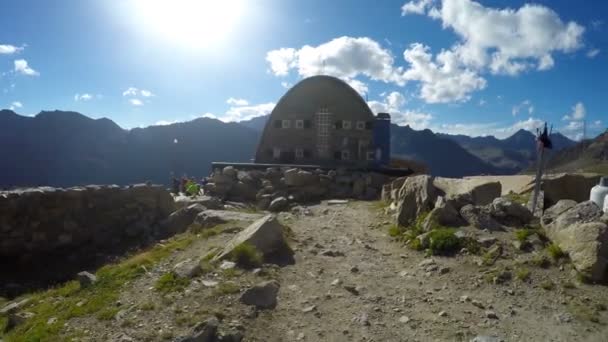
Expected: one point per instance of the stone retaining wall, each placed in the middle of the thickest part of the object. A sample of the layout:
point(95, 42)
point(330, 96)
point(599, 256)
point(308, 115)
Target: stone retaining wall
point(45, 220)
point(295, 185)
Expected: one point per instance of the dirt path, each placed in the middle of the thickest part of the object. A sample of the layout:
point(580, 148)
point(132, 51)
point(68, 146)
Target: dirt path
point(351, 282)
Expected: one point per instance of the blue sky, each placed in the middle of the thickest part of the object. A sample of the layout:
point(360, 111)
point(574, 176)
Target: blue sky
point(456, 66)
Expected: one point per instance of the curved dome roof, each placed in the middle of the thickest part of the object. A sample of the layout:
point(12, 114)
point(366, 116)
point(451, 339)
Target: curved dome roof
point(316, 92)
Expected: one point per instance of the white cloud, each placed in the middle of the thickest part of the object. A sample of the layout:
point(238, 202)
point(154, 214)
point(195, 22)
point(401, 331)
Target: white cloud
point(237, 102)
point(6, 49)
point(593, 53)
point(416, 6)
point(22, 67)
point(15, 105)
point(506, 41)
point(442, 80)
point(482, 102)
point(83, 97)
point(132, 91)
point(524, 105)
point(282, 60)
point(393, 103)
point(165, 122)
point(146, 93)
point(136, 102)
point(286, 85)
point(343, 57)
point(578, 112)
point(240, 113)
point(359, 86)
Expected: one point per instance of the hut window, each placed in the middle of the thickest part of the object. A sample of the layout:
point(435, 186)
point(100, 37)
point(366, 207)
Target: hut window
point(299, 124)
point(369, 125)
point(307, 154)
point(276, 153)
point(338, 124)
point(371, 155)
point(299, 153)
point(269, 152)
point(360, 125)
point(346, 124)
point(337, 155)
point(307, 124)
point(345, 141)
point(286, 124)
point(345, 155)
point(277, 123)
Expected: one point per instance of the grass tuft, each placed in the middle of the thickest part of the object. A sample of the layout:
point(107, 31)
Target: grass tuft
point(246, 256)
point(169, 282)
point(522, 234)
point(227, 288)
point(547, 285)
point(555, 251)
point(443, 241)
point(523, 274)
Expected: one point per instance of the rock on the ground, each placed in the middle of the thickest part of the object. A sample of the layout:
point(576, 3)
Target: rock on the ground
point(278, 204)
point(86, 279)
point(510, 213)
point(208, 202)
point(211, 218)
point(485, 338)
point(568, 186)
point(551, 214)
point(580, 232)
point(468, 191)
point(182, 218)
point(14, 306)
point(187, 269)
point(266, 235)
point(262, 295)
point(479, 217)
point(443, 214)
point(203, 332)
point(417, 195)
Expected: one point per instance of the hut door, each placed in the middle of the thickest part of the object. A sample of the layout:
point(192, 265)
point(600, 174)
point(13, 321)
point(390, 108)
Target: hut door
point(323, 126)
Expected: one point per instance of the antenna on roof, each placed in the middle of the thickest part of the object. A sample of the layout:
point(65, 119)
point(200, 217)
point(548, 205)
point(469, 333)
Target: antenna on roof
point(323, 68)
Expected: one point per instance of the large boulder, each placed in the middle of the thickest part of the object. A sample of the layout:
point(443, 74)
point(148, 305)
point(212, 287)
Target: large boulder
point(443, 214)
point(510, 213)
point(266, 236)
point(297, 178)
point(566, 186)
point(552, 213)
point(182, 218)
point(580, 231)
point(243, 192)
point(211, 218)
point(417, 195)
point(468, 191)
point(480, 217)
point(278, 204)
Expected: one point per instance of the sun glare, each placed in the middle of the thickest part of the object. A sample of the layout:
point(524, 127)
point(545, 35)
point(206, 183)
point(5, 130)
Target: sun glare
point(192, 23)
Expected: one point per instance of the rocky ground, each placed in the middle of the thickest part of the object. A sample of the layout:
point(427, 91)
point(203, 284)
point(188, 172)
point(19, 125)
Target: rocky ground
point(350, 282)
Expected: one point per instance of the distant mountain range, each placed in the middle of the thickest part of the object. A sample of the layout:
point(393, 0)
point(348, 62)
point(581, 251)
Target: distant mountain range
point(510, 155)
point(589, 155)
point(66, 148)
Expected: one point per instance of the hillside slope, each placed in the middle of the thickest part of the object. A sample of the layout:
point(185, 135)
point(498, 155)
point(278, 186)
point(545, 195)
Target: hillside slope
point(588, 155)
point(67, 148)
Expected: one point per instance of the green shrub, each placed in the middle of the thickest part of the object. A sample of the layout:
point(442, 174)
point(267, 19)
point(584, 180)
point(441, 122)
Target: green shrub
point(169, 282)
point(541, 261)
point(227, 288)
point(555, 252)
point(523, 274)
point(522, 234)
point(416, 244)
point(443, 241)
point(471, 244)
point(148, 306)
point(246, 256)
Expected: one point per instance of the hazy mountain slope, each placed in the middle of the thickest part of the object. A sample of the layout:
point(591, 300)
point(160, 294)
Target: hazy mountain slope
point(444, 157)
point(510, 155)
point(66, 148)
point(589, 155)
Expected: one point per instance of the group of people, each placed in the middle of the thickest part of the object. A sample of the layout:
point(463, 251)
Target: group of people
point(188, 186)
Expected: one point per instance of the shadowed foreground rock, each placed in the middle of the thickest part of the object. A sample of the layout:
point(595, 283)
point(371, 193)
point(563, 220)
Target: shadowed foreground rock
point(266, 236)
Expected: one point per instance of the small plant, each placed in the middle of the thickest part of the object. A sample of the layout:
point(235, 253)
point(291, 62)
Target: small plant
point(523, 274)
point(583, 279)
point(416, 244)
point(169, 282)
point(148, 306)
point(127, 323)
point(107, 313)
point(541, 261)
point(394, 231)
point(555, 252)
point(522, 234)
point(547, 285)
point(472, 245)
point(567, 284)
point(246, 256)
point(227, 288)
point(443, 241)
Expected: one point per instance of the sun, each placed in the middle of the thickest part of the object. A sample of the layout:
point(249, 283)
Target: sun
point(191, 23)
